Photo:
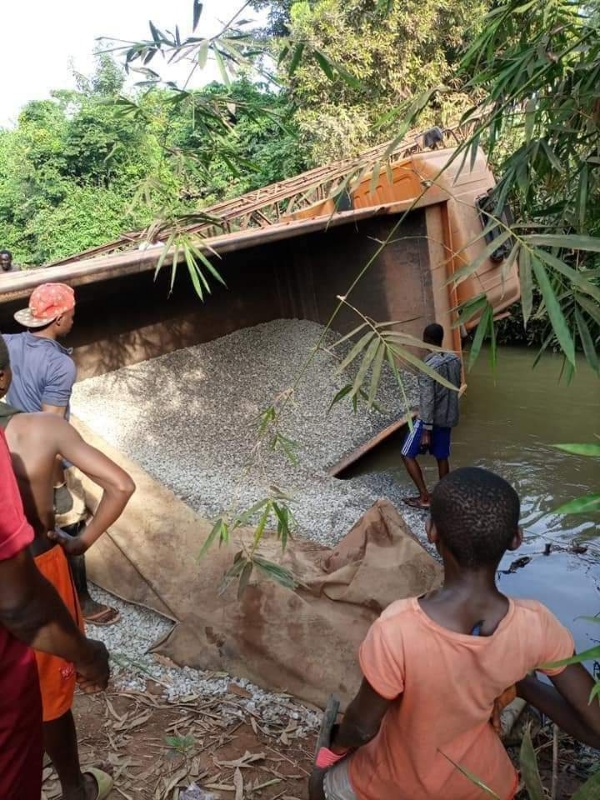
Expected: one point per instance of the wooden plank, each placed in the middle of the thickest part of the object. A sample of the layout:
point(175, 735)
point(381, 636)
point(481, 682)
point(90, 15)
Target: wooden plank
point(365, 448)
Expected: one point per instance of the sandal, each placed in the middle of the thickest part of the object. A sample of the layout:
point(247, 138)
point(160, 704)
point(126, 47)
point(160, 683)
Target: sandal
point(103, 618)
point(103, 780)
point(415, 502)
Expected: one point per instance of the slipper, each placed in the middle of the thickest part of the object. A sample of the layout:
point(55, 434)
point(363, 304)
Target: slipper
point(415, 502)
point(103, 780)
point(107, 616)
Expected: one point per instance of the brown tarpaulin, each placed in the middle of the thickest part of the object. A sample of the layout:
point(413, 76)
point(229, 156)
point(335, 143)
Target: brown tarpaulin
point(303, 642)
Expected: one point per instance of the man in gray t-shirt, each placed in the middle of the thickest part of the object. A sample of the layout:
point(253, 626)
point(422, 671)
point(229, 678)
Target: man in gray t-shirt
point(43, 374)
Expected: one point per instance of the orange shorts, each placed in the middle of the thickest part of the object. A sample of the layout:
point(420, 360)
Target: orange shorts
point(57, 677)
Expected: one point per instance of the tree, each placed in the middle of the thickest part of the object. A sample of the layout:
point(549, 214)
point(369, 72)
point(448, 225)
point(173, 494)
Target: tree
point(537, 67)
point(392, 56)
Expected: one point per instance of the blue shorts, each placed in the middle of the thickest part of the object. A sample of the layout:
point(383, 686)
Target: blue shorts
point(440, 441)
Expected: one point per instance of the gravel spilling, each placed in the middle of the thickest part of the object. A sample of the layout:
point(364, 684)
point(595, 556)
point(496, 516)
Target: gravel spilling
point(190, 419)
point(132, 667)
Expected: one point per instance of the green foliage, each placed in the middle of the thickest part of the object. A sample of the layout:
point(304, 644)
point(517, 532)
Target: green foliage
point(389, 56)
point(537, 66)
point(84, 167)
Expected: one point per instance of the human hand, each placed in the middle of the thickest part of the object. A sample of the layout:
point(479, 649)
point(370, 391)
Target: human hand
point(72, 545)
point(93, 672)
point(426, 439)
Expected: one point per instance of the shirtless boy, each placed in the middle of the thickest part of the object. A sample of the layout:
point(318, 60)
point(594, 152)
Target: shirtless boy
point(35, 441)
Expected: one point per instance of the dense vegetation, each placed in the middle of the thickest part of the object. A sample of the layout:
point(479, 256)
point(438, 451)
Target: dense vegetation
point(79, 169)
point(324, 79)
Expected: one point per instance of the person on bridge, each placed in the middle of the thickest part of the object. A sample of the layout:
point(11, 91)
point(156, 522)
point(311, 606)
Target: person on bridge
point(438, 414)
point(435, 666)
point(31, 615)
point(34, 442)
point(43, 378)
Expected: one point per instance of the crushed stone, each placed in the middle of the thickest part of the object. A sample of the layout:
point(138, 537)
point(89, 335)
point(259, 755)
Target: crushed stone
point(190, 419)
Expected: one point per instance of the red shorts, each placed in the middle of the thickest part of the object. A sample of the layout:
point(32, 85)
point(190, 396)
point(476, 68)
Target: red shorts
point(57, 677)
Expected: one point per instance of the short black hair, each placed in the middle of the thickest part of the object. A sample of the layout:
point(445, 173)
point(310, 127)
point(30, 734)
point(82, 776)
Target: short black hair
point(4, 355)
point(476, 514)
point(434, 334)
point(6, 253)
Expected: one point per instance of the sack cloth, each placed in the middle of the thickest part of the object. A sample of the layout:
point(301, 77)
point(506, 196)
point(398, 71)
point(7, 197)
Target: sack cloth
point(303, 641)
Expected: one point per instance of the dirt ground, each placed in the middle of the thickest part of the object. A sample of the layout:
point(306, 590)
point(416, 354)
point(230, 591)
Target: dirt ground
point(156, 749)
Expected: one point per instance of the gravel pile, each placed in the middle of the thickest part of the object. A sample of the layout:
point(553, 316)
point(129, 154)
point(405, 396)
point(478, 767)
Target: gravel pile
point(190, 418)
point(132, 666)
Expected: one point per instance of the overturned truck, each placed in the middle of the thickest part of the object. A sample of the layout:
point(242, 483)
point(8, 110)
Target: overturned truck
point(286, 251)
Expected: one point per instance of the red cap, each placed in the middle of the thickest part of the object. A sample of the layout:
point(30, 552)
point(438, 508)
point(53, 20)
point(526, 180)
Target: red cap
point(47, 302)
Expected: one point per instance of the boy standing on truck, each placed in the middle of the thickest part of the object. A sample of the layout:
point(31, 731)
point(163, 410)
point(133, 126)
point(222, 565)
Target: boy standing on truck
point(433, 667)
point(438, 414)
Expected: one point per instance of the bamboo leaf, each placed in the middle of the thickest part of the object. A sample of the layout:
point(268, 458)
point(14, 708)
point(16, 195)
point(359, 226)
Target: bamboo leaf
point(591, 788)
point(471, 308)
point(216, 530)
point(586, 655)
point(487, 318)
point(197, 13)
point(343, 392)
point(296, 58)
point(405, 355)
point(366, 363)
point(526, 281)
point(587, 342)
point(529, 768)
point(244, 579)
point(581, 505)
point(592, 450)
point(222, 67)
point(376, 374)
point(203, 53)
point(555, 314)
point(356, 350)
point(325, 65)
point(350, 335)
point(156, 34)
point(462, 274)
point(569, 241)
point(471, 776)
point(575, 277)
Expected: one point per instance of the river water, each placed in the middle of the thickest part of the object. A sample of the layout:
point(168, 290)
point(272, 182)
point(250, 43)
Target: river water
point(510, 417)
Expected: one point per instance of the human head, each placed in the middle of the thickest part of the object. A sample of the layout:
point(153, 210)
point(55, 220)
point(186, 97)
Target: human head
point(433, 334)
point(475, 517)
point(5, 260)
point(51, 307)
point(5, 370)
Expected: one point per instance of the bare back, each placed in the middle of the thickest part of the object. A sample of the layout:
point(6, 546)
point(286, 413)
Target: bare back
point(33, 443)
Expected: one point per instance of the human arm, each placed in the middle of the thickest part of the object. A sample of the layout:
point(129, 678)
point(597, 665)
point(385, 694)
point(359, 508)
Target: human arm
point(33, 612)
point(116, 484)
point(426, 400)
point(361, 721)
point(567, 703)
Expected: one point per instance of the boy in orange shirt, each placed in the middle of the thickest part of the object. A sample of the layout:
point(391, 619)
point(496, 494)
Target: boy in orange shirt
point(433, 667)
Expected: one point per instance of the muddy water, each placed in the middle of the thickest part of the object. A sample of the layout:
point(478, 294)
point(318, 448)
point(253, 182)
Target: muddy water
point(509, 419)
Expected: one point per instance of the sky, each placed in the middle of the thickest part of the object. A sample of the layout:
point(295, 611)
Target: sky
point(42, 41)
